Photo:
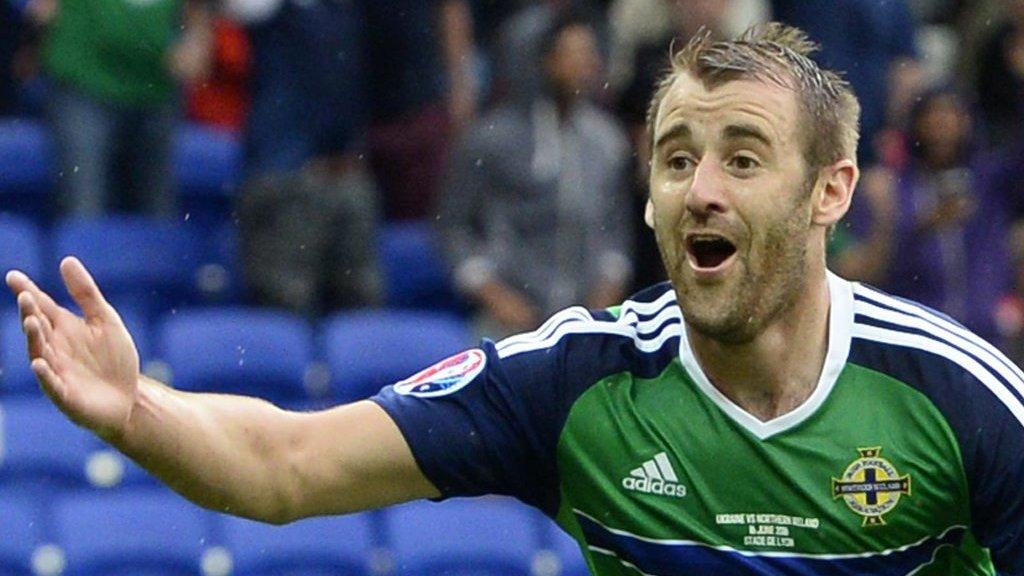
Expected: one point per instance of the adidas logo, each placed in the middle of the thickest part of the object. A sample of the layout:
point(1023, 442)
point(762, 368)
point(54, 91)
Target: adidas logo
point(655, 476)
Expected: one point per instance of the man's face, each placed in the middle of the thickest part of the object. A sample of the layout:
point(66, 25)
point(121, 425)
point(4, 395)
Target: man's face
point(574, 63)
point(730, 203)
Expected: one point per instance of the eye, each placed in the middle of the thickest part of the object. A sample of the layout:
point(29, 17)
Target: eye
point(744, 163)
point(680, 162)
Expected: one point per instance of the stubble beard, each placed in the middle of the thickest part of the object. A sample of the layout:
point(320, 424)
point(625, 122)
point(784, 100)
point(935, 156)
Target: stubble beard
point(772, 276)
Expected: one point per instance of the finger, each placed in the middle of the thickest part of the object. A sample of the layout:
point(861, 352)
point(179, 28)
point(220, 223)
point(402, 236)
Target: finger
point(27, 306)
point(19, 282)
point(34, 337)
point(84, 290)
point(51, 383)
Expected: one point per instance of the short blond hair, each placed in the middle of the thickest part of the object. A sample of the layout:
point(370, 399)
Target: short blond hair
point(776, 53)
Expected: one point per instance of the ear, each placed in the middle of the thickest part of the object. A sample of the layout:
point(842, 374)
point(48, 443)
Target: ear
point(649, 213)
point(833, 192)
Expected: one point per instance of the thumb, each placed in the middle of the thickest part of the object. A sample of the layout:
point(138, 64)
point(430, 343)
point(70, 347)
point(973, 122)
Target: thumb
point(84, 290)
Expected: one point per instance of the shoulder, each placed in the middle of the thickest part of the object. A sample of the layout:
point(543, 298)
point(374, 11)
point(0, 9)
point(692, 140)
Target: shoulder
point(965, 376)
point(641, 336)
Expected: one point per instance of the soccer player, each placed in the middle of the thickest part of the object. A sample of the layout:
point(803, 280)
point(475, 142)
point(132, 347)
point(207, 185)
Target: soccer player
point(756, 415)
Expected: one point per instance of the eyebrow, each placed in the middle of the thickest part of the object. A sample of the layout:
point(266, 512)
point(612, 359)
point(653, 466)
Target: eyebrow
point(741, 131)
point(676, 132)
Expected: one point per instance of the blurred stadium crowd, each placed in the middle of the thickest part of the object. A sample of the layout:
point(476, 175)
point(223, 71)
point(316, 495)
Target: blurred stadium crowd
point(308, 199)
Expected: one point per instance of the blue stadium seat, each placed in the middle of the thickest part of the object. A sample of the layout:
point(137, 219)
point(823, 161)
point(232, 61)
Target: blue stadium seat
point(480, 537)
point(238, 350)
point(415, 273)
point(26, 167)
point(570, 560)
point(22, 533)
point(22, 244)
point(312, 547)
point(41, 446)
point(367, 350)
point(207, 163)
point(140, 532)
point(148, 263)
point(221, 279)
point(16, 377)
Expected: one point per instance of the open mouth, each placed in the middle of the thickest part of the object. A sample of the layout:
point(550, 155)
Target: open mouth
point(709, 251)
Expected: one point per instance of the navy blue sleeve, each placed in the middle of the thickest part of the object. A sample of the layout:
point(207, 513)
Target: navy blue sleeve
point(485, 435)
point(981, 395)
point(488, 421)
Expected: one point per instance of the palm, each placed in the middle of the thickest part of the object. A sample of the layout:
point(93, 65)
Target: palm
point(88, 365)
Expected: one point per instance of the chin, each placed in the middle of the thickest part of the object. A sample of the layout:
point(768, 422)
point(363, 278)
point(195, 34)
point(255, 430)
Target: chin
point(732, 329)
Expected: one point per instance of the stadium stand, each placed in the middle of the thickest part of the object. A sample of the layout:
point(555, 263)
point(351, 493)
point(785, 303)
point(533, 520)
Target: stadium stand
point(481, 537)
point(363, 353)
point(258, 352)
point(140, 532)
point(15, 374)
point(22, 533)
point(415, 273)
point(26, 167)
point(310, 547)
point(42, 449)
point(566, 551)
point(22, 244)
point(139, 261)
point(207, 162)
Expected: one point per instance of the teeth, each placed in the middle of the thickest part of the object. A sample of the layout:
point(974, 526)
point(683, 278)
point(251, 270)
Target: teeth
point(708, 238)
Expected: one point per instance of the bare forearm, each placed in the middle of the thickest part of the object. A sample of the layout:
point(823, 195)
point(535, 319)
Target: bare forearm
point(226, 453)
point(246, 457)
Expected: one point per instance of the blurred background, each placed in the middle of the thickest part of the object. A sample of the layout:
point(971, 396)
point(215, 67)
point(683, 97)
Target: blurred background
point(306, 200)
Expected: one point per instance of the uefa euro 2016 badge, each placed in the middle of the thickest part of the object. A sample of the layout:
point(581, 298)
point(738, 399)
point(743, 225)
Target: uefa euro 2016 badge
point(871, 486)
point(446, 377)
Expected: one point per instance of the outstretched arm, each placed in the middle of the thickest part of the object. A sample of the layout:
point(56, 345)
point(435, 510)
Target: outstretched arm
point(229, 453)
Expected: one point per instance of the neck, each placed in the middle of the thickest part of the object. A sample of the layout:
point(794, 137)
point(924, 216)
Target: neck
point(779, 369)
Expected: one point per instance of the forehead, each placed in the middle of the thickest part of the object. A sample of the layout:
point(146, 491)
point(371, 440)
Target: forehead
point(768, 106)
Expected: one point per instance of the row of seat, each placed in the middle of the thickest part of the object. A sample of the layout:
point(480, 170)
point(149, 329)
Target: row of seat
point(153, 532)
point(206, 164)
point(271, 354)
point(160, 264)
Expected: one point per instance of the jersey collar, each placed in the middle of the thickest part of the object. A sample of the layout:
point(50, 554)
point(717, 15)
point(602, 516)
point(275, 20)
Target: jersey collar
point(840, 324)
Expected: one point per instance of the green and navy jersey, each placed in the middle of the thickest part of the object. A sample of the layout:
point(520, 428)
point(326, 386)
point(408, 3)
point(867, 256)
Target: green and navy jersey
point(908, 458)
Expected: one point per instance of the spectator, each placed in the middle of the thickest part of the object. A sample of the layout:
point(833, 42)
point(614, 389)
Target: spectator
point(535, 212)
point(1010, 313)
point(114, 66)
point(222, 98)
point(420, 90)
point(1000, 69)
point(950, 218)
point(308, 209)
point(642, 30)
point(872, 43)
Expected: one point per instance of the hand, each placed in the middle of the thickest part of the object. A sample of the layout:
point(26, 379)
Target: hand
point(89, 366)
point(878, 186)
point(508, 306)
point(41, 12)
point(190, 60)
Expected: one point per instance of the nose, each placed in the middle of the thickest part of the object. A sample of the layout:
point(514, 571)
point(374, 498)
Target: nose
point(707, 194)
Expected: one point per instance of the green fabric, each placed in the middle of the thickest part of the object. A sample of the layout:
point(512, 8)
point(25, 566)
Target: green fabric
point(114, 50)
point(731, 477)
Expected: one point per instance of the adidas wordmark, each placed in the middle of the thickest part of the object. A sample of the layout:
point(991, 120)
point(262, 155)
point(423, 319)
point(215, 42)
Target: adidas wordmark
point(655, 476)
